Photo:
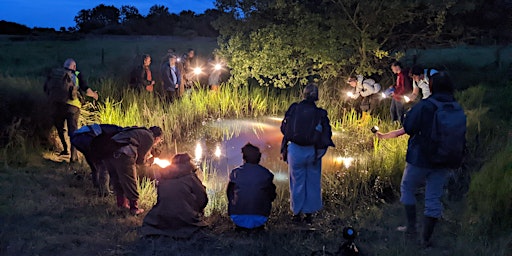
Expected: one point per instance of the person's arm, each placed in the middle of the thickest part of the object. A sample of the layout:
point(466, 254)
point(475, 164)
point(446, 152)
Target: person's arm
point(415, 91)
point(391, 134)
point(84, 87)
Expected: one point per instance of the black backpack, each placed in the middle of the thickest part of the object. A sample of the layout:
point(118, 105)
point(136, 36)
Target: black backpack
point(300, 125)
point(448, 137)
point(60, 86)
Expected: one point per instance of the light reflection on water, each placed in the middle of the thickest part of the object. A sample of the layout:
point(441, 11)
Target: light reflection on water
point(218, 145)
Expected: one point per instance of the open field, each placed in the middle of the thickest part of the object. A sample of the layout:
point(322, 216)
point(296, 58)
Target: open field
point(48, 207)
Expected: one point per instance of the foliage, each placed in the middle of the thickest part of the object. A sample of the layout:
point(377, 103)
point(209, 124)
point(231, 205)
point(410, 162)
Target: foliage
point(285, 43)
point(99, 17)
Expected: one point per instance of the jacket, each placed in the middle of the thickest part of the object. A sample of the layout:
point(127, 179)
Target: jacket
point(403, 85)
point(250, 190)
point(418, 124)
point(139, 142)
point(167, 78)
point(180, 204)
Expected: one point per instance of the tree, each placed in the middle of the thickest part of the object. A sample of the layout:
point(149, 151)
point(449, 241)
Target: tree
point(286, 42)
point(129, 13)
point(99, 17)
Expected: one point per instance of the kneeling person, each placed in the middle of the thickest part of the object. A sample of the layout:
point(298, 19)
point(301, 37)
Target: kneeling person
point(250, 191)
point(179, 209)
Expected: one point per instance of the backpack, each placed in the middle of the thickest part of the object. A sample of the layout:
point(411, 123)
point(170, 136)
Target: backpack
point(448, 136)
point(300, 126)
point(102, 146)
point(60, 86)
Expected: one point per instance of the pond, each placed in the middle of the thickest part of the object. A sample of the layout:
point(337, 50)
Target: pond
point(216, 146)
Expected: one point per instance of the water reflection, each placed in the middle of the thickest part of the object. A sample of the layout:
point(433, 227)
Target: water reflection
point(217, 145)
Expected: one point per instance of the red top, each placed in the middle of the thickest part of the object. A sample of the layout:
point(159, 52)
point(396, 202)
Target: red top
point(403, 86)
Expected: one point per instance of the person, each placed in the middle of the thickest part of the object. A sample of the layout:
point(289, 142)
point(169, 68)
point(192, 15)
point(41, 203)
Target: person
point(141, 77)
point(250, 191)
point(83, 140)
point(133, 147)
point(307, 135)
point(402, 87)
point(171, 77)
point(181, 200)
point(366, 88)
point(67, 110)
point(420, 78)
point(421, 167)
point(187, 70)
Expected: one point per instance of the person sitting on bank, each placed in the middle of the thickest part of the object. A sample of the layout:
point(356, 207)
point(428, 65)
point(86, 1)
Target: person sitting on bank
point(250, 191)
point(181, 200)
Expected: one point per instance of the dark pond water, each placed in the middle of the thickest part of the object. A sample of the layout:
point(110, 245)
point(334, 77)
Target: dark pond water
point(216, 146)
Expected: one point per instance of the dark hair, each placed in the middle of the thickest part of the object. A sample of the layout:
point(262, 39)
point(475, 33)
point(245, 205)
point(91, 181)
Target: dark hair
point(251, 154)
point(416, 70)
point(396, 63)
point(189, 50)
point(441, 83)
point(310, 92)
point(157, 131)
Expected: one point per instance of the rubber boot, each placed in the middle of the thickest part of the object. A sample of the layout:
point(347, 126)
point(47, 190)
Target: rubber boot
point(428, 228)
point(134, 208)
point(122, 202)
point(410, 213)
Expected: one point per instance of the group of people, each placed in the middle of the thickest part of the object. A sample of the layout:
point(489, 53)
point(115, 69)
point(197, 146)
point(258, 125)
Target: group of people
point(409, 85)
point(436, 126)
point(177, 74)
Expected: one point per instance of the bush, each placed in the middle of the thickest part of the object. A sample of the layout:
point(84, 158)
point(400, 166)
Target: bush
point(490, 194)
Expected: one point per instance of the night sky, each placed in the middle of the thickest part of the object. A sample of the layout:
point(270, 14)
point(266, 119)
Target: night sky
point(61, 13)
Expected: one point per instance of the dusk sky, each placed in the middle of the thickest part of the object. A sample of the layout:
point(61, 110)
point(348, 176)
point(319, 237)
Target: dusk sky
point(61, 13)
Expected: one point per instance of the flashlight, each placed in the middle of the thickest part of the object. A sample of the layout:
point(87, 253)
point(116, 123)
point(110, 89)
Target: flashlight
point(350, 94)
point(197, 70)
point(407, 99)
point(375, 129)
point(178, 59)
point(383, 95)
point(217, 66)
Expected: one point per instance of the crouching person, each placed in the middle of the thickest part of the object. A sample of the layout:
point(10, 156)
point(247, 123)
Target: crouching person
point(84, 140)
point(134, 147)
point(250, 191)
point(181, 200)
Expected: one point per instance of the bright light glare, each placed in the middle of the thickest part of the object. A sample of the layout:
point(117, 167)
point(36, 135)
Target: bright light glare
point(199, 152)
point(161, 162)
point(383, 95)
point(178, 59)
point(198, 71)
point(350, 94)
point(407, 99)
point(217, 66)
point(217, 151)
point(346, 161)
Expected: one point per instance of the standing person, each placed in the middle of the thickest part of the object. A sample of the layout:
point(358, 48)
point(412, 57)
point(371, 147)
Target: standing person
point(420, 78)
point(188, 73)
point(179, 210)
point(366, 88)
point(171, 77)
point(402, 87)
point(250, 191)
point(85, 140)
point(133, 147)
point(307, 135)
point(437, 127)
point(63, 88)
point(141, 77)
point(214, 76)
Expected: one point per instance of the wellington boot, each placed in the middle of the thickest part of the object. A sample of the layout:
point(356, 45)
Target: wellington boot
point(134, 208)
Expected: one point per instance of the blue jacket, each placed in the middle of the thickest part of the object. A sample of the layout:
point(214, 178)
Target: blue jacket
point(418, 124)
point(250, 190)
point(166, 74)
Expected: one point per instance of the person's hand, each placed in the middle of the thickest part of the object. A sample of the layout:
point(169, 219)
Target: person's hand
point(152, 82)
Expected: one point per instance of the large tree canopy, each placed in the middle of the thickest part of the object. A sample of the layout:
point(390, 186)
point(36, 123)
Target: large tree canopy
point(286, 42)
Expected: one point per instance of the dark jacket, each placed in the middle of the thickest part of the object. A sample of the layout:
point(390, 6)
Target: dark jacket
point(250, 190)
point(165, 72)
point(139, 140)
point(180, 203)
point(139, 77)
point(418, 124)
point(83, 138)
